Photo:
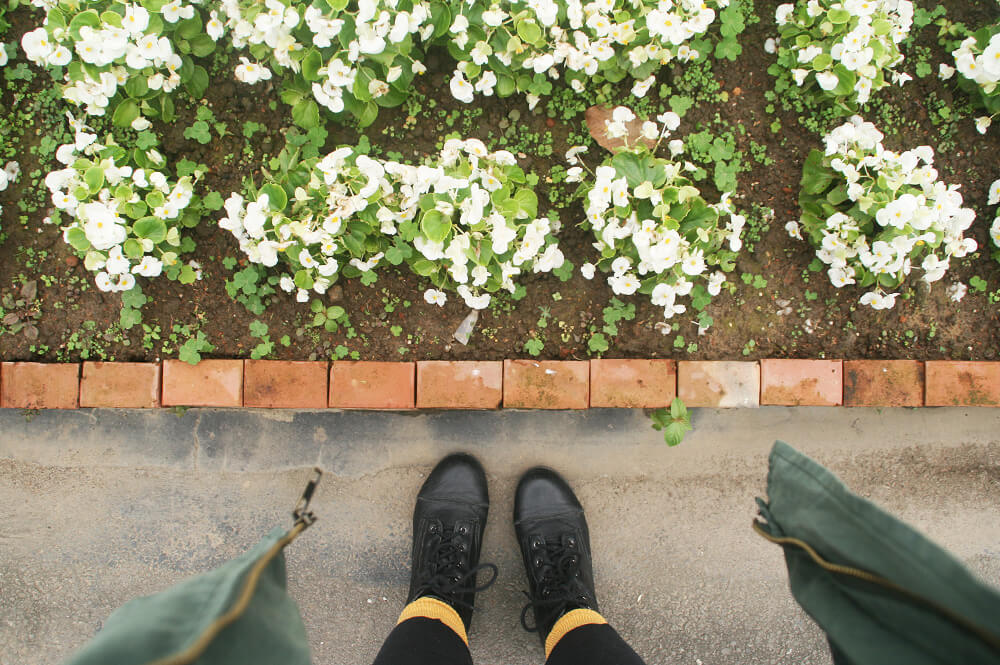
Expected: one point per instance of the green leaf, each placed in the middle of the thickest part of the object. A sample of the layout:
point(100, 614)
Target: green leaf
point(78, 239)
point(529, 31)
point(435, 226)
point(423, 267)
point(151, 228)
point(277, 198)
point(202, 45)
point(839, 16)
point(305, 114)
point(197, 83)
point(598, 343)
point(89, 19)
point(303, 279)
point(367, 115)
point(311, 64)
point(527, 203)
point(94, 177)
point(728, 48)
point(212, 201)
point(674, 433)
point(816, 177)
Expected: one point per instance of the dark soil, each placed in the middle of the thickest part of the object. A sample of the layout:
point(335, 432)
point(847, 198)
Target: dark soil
point(789, 317)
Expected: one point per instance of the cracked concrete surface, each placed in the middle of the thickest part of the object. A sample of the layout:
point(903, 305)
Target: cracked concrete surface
point(99, 506)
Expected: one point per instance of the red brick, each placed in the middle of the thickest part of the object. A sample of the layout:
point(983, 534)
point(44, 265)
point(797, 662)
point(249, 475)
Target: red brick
point(443, 384)
point(372, 385)
point(280, 384)
point(883, 383)
point(721, 384)
point(802, 382)
point(120, 385)
point(632, 384)
point(40, 385)
point(546, 384)
point(209, 383)
point(962, 383)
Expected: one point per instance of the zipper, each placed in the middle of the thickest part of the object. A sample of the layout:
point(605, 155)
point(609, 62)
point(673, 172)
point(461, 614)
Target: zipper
point(304, 518)
point(848, 571)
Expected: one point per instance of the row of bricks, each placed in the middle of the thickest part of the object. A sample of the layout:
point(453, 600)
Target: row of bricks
point(525, 384)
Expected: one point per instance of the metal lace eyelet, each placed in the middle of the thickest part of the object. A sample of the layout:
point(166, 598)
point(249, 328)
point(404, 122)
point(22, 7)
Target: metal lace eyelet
point(538, 562)
point(571, 542)
point(463, 530)
point(433, 528)
point(536, 543)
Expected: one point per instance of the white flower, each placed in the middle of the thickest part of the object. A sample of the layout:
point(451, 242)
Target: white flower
point(286, 283)
point(957, 291)
point(460, 24)
point(770, 46)
point(621, 265)
point(945, 72)
point(983, 123)
point(693, 263)
point(827, 80)
point(302, 295)
point(782, 13)
point(800, 76)
point(622, 114)
point(435, 297)
point(150, 266)
point(879, 300)
point(461, 89)
point(587, 270)
point(624, 285)
point(670, 120)
point(125, 282)
point(994, 192)
point(103, 281)
point(249, 72)
point(793, 229)
point(642, 87)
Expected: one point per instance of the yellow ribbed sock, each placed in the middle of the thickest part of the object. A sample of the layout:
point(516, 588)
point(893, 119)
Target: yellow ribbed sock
point(569, 621)
point(432, 608)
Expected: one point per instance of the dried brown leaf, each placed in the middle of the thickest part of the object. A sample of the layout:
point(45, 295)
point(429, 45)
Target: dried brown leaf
point(597, 118)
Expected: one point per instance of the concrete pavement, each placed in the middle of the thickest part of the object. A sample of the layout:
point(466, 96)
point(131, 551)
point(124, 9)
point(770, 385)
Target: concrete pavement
point(99, 506)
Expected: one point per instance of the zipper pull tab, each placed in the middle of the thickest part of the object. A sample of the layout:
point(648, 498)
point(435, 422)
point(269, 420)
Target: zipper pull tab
point(302, 514)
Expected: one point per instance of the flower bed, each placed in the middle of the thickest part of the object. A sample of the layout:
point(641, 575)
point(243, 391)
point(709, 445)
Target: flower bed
point(231, 106)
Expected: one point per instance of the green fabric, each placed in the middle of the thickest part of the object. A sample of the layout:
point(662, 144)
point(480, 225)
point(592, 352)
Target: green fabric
point(867, 624)
point(269, 631)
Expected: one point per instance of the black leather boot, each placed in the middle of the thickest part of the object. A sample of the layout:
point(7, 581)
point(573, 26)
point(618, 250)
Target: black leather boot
point(448, 524)
point(555, 545)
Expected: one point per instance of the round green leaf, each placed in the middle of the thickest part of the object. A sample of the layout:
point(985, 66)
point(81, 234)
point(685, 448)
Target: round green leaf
point(94, 177)
point(126, 111)
point(435, 226)
point(277, 199)
point(151, 228)
point(78, 239)
point(529, 31)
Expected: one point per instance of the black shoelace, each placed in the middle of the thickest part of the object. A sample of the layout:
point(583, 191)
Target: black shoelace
point(559, 588)
point(445, 565)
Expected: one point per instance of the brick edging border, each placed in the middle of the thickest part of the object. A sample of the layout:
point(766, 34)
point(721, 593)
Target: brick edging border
point(520, 384)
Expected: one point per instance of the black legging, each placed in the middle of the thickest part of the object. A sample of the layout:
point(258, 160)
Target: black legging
point(422, 641)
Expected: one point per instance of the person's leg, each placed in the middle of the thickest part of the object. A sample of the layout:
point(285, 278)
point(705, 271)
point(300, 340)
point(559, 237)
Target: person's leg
point(555, 546)
point(592, 643)
point(426, 640)
point(448, 524)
